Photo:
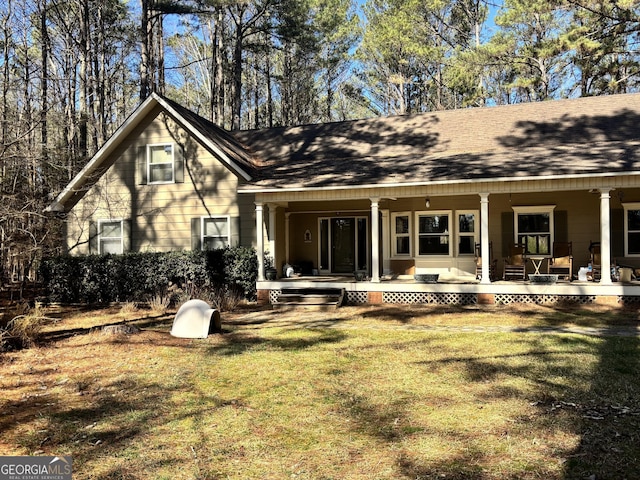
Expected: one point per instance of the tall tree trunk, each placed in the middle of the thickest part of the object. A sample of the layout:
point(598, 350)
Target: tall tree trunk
point(99, 78)
point(256, 92)
point(217, 94)
point(44, 82)
point(6, 65)
point(159, 49)
point(329, 91)
point(268, 87)
point(84, 74)
point(72, 119)
point(145, 47)
point(237, 74)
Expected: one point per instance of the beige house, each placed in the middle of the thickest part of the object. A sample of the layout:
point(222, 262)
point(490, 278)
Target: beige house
point(166, 180)
point(390, 198)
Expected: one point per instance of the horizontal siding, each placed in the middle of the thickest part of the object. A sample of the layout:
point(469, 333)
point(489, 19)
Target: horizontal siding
point(161, 213)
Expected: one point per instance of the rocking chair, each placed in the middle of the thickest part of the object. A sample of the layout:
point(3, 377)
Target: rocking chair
point(515, 264)
point(596, 261)
point(562, 261)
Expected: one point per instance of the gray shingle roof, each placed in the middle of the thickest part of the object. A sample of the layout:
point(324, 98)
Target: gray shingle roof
point(585, 136)
point(217, 135)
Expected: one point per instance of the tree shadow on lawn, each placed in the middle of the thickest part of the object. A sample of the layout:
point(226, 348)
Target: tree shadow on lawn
point(554, 315)
point(609, 415)
point(585, 387)
point(262, 317)
point(107, 421)
point(585, 315)
point(238, 343)
point(406, 314)
point(601, 407)
point(607, 410)
point(155, 321)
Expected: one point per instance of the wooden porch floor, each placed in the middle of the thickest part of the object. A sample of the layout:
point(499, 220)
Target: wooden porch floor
point(411, 281)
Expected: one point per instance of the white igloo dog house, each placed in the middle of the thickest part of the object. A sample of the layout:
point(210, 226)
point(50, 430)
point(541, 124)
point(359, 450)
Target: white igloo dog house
point(196, 319)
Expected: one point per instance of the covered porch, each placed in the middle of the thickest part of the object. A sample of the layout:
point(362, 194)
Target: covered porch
point(420, 194)
point(393, 238)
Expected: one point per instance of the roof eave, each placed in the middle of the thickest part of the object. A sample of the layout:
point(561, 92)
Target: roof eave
point(212, 147)
point(258, 189)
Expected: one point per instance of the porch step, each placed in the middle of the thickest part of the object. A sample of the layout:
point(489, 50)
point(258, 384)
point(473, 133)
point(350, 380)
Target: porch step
point(317, 298)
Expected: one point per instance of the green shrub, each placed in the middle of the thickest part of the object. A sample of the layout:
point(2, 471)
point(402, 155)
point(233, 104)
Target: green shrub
point(138, 276)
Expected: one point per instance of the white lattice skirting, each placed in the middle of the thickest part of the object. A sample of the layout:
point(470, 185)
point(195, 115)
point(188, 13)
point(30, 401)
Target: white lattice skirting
point(505, 299)
point(450, 298)
point(273, 295)
point(357, 298)
point(629, 300)
point(430, 297)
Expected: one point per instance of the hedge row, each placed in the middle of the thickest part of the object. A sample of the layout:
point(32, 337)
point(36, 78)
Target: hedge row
point(139, 276)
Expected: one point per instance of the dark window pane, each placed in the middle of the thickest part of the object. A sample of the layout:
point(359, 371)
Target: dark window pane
point(466, 246)
point(402, 245)
point(434, 224)
point(402, 224)
point(111, 246)
point(467, 223)
point(434, 245)
point(362, 244)
point(633, 218)
point(634, 243)
point(212, 243)
point(533, 222)
point(161, 173)
point(324, 244)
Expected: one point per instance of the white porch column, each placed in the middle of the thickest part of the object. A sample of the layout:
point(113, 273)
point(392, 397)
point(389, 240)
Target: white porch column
point(375, 241)
point(286, 237)
point(386, 241)
point(484, 237)
point(605, 236)
point(260, 240)
point(272, 231)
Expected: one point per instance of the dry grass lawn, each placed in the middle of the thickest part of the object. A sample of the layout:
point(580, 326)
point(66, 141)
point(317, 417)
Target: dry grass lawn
point(387, 392)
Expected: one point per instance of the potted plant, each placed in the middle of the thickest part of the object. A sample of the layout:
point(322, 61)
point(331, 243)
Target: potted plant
point(360, 275)
point(270, 272)
point(426, 277)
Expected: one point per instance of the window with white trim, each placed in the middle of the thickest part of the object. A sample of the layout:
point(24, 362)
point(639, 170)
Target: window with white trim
point(215, 233)
point(401, 233)
point(534, 228)
point(467, 231)
point(631, 229)
point(434, 233)
point(110, 236)
point(160, 163)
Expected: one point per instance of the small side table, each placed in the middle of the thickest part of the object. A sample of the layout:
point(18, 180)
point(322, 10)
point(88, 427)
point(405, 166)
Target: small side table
point(537, 263)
